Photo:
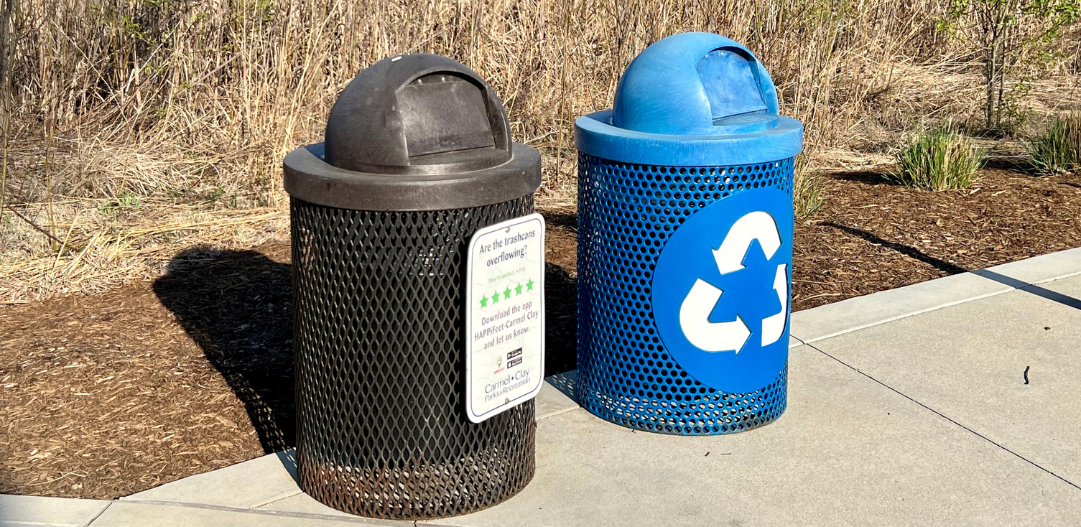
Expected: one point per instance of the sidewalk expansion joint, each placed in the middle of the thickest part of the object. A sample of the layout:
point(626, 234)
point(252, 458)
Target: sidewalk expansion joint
point(98, 515)
point(289, 514)
point(276, 499)
point(940, 414)
point(558, 412)
point(895, 318)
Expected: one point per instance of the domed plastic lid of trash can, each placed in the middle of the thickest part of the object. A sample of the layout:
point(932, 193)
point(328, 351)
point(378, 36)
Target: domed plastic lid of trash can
point(693, 99)
point(414, 132)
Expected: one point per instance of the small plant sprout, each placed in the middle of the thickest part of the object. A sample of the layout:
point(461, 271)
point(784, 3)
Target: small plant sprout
point(938, 159)
point(126, 200)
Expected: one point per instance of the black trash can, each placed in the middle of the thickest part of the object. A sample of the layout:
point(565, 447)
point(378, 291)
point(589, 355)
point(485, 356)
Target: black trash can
point(417, 158)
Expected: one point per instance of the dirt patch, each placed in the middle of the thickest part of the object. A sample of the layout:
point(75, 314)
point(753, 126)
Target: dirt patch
point(107, 395)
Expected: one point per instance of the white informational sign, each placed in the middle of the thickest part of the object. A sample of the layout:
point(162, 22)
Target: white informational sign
point(504, 363)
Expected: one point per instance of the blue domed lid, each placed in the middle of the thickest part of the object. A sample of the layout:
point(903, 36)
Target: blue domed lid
point(692, 99)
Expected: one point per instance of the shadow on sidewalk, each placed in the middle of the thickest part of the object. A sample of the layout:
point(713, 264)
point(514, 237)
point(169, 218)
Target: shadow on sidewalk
point(236, 306)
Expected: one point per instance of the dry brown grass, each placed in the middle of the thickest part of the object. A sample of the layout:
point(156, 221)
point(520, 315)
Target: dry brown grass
point(102, 244)
point(188, 101)
point(234, 85)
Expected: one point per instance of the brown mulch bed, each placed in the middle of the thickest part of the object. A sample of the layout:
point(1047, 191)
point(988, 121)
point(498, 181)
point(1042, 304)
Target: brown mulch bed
point(103, 396)
point(872, 235)
point(111, 394)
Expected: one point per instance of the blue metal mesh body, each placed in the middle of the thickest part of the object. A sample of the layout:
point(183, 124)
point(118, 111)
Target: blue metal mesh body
point(626, 213)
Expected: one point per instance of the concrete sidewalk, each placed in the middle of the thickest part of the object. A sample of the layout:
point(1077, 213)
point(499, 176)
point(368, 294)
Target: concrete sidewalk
point(906, 407)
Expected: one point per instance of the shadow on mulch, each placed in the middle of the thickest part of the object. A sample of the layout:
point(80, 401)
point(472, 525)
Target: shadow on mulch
point(236, 306)
point(561, 319)
point(950, 268)
point(1019, 164)
point(865, 177)
point(567, 219)
point(561, 291)
point(906, 250)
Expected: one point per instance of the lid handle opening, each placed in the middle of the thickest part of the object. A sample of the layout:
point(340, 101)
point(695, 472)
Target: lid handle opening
point(443, 112)
point(730, 78)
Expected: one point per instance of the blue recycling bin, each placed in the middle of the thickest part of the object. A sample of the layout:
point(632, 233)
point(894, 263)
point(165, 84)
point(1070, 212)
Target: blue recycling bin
point(685, 243)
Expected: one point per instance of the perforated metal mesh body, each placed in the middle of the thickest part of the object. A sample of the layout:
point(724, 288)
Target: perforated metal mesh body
point(379, 328)
point(626, 213)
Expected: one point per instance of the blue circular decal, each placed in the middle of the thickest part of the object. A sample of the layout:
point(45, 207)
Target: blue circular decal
point(721, 291)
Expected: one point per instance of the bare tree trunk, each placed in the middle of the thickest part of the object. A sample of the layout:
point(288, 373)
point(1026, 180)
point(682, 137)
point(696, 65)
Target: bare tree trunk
point(7, 11)
point(1003, 67)
point(7, 38)
point(990, 66)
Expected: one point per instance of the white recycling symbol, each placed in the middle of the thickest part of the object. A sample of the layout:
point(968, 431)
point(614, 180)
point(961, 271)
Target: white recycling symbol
point(703, 297)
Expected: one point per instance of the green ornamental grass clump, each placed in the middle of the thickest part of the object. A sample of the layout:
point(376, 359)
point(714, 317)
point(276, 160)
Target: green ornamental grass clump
point(1058, 148)
point(938, 159)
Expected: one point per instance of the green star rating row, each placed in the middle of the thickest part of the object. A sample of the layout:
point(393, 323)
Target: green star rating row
point(506, 294)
